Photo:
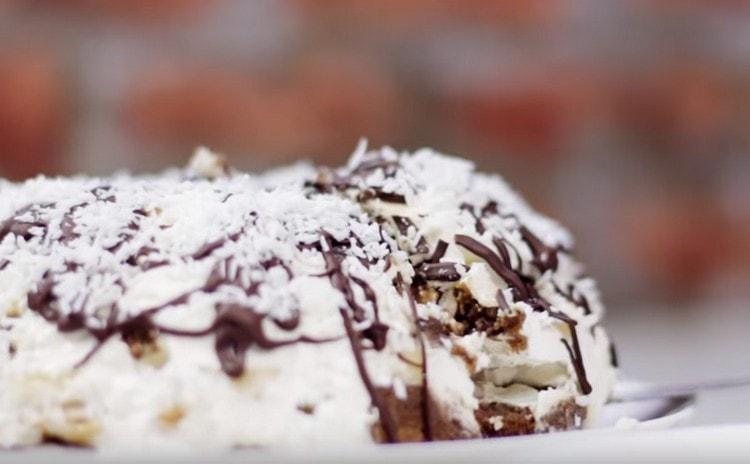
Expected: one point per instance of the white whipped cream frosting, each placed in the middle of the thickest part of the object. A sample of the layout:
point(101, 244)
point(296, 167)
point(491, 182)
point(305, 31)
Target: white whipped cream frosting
point(176, 396)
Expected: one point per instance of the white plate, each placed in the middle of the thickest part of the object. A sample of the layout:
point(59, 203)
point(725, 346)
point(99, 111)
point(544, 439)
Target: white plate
point(629, 431)
point(645, 414)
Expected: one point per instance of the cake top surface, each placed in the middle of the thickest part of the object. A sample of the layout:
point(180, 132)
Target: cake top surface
point(95, 237)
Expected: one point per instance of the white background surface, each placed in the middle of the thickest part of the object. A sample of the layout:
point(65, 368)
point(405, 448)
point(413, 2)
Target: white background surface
point(691, 343)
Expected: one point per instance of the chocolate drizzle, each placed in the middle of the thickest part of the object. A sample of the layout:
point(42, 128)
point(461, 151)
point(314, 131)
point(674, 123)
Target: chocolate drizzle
point(206, 250)
point(478, 225)
point(388, 197)
point(613, 355)
point(368, 166)
point(496, 263)
point(376, 333)
point(21, 227)
point(386, 419)
point(100, 192)
point(439, 252)
point(329, 181)
point(404, 224)
point(24, 228)
point(236, 328)
point(525, 291)
point(239, 327)
point(502, 249)
point(425, 396)
point(578, 300)
point(339, 280)
point(67, 227)
point(442, 272)
point(545, 257)
point(576, 357)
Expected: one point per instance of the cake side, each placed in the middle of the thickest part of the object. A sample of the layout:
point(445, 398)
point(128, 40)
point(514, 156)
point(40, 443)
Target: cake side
point(498, 285)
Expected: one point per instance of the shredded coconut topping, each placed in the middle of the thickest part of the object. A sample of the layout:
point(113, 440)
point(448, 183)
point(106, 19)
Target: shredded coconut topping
point(399, 253)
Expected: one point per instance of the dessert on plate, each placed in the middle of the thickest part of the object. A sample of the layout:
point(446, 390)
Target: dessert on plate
point(403, 297)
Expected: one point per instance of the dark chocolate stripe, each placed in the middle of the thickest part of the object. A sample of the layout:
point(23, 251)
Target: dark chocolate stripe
point(495, 262)
point(421, 247)
point(528, 293)
point(375, 192)
point(369, 294)
point(237, 328)
point(341, 283)
point(545, 257)
point(441, 272)
point(403, 224)
point(375, 333)
point(613, 355)
point(208, 248)
point(439, 252)
point(580, 300)
point(386, 419)
point(489, 209)
point(367, 166)
point(426, 416)
point(390, 197)
point(22, 228)
point(503, 250)
point(575, 352)
point(478, 224)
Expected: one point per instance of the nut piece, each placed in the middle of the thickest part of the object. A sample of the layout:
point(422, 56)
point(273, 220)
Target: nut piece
point(306, 408)
point(15, 310)
point(75, 428)
point(170, 417)
point(145, 346)
point(208, 164)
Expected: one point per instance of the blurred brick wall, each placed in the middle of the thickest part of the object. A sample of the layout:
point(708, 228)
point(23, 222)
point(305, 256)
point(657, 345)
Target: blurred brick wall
point(627, 119)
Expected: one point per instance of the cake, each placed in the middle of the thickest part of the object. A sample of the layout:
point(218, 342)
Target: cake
point(404, 297)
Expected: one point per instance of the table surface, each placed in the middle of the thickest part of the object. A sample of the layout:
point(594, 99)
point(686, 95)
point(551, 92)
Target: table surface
point(692, 343)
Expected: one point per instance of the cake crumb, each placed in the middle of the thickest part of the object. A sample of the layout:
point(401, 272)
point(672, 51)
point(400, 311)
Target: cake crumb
point(208, 164)
point(172, 416)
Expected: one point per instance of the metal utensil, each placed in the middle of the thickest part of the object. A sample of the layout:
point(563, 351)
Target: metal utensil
point(625, 391)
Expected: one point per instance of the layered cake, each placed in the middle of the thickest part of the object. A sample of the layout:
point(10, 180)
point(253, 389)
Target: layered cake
point(404, 297)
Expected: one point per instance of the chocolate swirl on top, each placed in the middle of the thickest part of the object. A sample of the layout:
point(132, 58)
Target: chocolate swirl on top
point(236, 327)
point(22, 227)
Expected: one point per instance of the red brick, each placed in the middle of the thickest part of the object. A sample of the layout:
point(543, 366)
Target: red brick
point(679, 243)
point(137, 10)
point(533, 116)
point(693, 6)
point(416, 13)
point(321, 107)
point(679, 109)
point(34, 114)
